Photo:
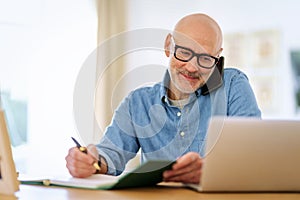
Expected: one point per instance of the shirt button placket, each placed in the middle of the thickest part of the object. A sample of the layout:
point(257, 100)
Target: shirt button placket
point(182, 134)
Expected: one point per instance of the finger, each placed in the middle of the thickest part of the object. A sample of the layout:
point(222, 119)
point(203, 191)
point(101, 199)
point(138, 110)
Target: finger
point(186, 160)
point(79, 164)
point(79, 169)
point(195, 166)
point(188, 163)
point(184, 164)
point(76, 154)
point(76, 163)
point(190, 177)
point(92, 150)
point(80, 172)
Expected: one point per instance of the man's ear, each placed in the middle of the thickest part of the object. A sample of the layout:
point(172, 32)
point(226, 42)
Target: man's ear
point(219, 52)
point(168, 45)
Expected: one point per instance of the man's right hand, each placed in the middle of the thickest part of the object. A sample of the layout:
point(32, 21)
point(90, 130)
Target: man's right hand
point(79, 164)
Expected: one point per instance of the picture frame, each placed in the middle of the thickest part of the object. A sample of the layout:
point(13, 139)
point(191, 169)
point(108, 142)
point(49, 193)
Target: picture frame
point(9, 183)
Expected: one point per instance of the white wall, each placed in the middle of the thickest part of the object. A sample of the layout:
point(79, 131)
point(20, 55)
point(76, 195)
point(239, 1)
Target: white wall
point(67, 35)
point(43, 45)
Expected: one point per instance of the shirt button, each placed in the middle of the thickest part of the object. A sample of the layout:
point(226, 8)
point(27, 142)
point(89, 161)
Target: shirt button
point(182, 133)
point(179, 114)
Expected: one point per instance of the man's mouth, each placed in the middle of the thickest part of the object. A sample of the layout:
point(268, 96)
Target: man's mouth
point(190, 76)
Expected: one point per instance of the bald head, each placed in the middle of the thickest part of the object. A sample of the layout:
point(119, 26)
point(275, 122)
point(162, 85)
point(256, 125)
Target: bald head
point(202, 29)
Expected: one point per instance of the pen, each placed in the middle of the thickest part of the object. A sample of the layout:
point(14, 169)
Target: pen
point(84, 150)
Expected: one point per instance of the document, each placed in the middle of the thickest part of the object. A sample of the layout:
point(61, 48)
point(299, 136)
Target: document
point(148, 174)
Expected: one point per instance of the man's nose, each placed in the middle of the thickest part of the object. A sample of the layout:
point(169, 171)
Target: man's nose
point(192, 65)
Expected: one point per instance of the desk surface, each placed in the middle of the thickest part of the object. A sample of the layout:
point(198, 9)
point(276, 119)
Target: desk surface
point(160, 192)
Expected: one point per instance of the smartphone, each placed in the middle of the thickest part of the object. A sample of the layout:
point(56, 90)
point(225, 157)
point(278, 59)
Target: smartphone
point(216, 79)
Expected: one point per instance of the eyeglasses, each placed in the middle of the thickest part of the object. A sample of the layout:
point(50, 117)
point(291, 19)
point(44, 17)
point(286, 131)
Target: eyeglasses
point(185, 54)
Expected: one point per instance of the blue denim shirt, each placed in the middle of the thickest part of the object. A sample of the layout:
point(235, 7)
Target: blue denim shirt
point(146, 120)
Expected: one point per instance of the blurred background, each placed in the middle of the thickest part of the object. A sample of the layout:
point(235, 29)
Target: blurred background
point(45, 43)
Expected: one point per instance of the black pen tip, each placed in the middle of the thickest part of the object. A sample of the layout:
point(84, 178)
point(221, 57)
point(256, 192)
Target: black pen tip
point(77, 143)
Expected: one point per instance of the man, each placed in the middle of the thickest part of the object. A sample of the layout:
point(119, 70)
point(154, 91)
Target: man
point(169, 120)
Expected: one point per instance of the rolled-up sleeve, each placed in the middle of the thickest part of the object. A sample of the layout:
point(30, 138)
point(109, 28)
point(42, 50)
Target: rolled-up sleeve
point(119, 144)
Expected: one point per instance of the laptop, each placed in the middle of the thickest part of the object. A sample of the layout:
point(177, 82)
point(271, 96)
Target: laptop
point(247, 154)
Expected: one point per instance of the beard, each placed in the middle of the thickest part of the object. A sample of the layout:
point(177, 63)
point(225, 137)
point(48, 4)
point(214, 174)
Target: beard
point(186, 82)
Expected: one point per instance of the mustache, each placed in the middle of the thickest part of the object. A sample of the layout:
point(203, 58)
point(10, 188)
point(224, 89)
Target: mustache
point(193, 75)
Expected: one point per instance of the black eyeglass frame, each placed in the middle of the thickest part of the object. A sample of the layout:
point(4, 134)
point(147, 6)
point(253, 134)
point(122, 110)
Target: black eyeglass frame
point(198, 55)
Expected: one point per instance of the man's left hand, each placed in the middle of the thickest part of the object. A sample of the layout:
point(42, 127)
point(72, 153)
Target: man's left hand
point(187, 169)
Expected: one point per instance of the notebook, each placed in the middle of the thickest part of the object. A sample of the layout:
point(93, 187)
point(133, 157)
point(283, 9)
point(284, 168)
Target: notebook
point(245, 154)
point(148, 174)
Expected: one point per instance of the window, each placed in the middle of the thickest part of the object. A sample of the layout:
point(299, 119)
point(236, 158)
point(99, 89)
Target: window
point(43, 45)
